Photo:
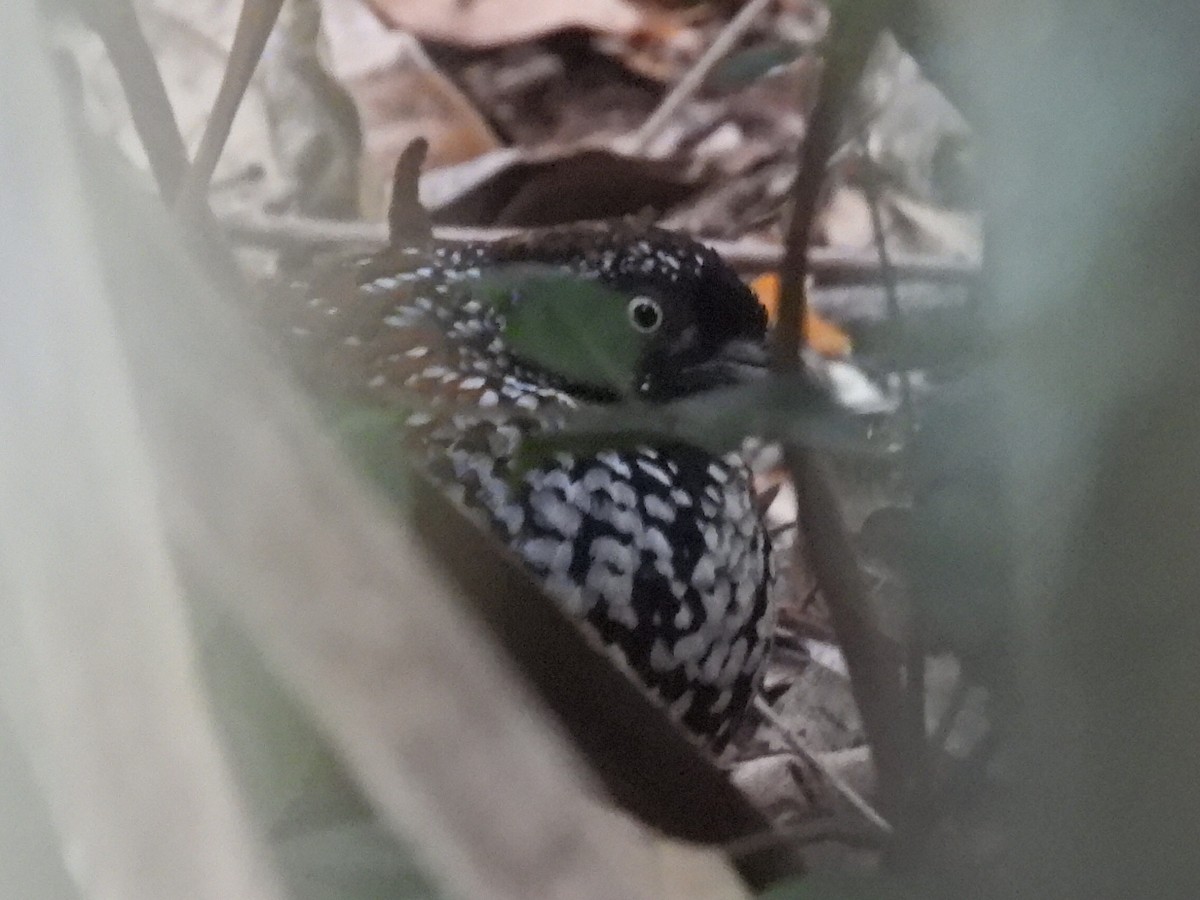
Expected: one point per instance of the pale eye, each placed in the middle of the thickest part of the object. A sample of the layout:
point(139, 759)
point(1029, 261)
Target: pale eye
point(645, 314)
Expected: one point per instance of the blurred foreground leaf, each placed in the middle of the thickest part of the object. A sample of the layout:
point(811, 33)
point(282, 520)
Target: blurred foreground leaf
point(823, 886)
point(373, 438)
point(326, 841)
point(777, 408)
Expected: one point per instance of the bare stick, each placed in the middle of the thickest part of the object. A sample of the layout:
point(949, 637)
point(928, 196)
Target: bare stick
point(254, 26)
point(117, 24)
point(873, 666)
point(888, 278)
point(695, 76)
point(914, 662)
point(874, 673)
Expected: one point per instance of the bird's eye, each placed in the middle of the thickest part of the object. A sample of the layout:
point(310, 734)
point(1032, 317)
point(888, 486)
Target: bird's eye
point(645, 314)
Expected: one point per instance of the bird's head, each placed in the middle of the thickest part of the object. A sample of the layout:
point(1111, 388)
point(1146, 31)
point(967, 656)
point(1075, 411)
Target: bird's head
point(628, 310)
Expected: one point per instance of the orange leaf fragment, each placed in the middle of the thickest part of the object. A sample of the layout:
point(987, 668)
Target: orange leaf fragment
point(820, 334)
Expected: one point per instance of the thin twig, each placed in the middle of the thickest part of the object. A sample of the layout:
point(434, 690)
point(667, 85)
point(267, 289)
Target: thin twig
point(888, 279)
point(694, 78)
point(829, 265)
point(254, 26)
point(873, 666)
point(843, 787)
point(914, 662)
point(874, 676)
point(116, 22)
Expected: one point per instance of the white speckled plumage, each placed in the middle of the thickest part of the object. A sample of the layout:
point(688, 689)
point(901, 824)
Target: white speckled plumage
point(660, 551)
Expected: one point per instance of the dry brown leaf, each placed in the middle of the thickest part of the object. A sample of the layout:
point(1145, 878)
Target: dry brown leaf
point(664, 46)
point(820, 334)
point(552, 185)
point(493, 23)
point(400, 95)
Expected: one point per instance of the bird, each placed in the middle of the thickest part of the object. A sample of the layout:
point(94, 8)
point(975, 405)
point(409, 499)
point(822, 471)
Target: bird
point(659, 550)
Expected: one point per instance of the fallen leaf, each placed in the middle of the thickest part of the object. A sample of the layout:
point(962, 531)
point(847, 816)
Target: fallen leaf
point(912, 129)
point(557, 91)
point(493, 23)
point(551, 186)
point(400, 95)
point(821, 334)
point(935, 229)
point(845, 220)
point(663, 48)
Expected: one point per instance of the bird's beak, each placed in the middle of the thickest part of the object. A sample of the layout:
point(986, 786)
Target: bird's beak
point(743, 360)
point(738, 361)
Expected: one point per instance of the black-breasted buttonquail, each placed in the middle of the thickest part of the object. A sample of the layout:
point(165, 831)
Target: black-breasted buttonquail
point(660, 550)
